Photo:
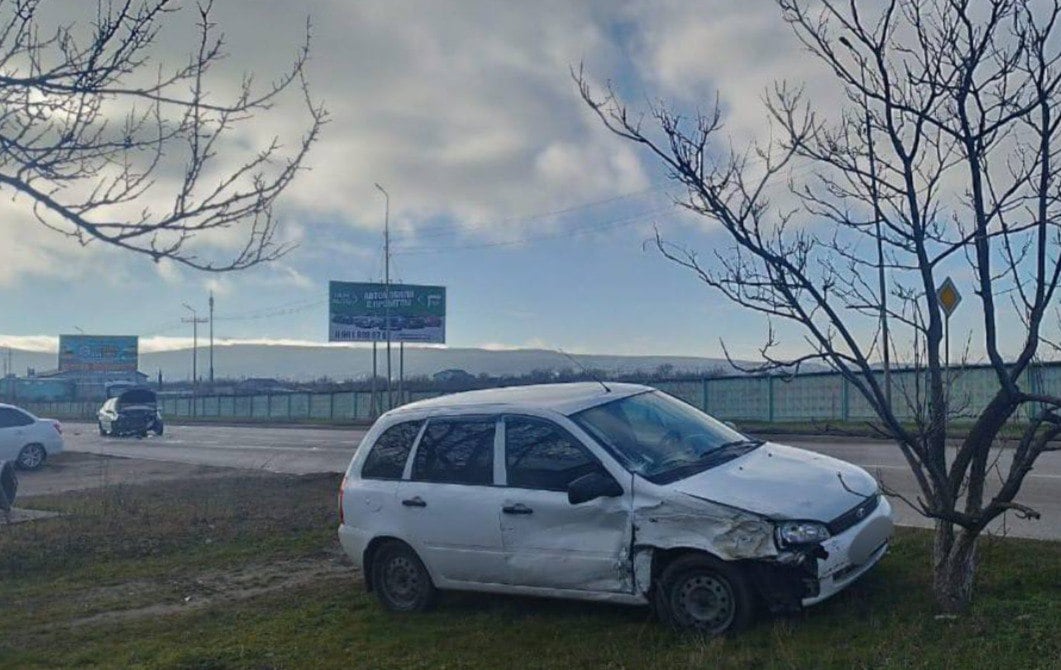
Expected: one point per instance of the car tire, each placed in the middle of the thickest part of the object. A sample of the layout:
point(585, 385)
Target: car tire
point(702, 594)
point(102, 431)
point(31, 457)
point(400, 580)
point(158, 429)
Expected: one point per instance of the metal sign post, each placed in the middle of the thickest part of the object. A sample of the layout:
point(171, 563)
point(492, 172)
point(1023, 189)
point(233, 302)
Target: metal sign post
point(372, 312)
point(949, 298)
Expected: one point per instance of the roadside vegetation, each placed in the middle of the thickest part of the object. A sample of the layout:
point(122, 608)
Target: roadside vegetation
point(245, 572)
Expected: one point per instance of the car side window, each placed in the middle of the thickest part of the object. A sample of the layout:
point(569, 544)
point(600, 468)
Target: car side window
point(12, 418)
point(541, 455)
point(387, 458)
point(456, 451)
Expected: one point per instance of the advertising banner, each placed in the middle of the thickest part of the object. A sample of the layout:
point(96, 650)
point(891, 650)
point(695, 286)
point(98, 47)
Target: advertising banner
point(357, 312)
point(98, 353)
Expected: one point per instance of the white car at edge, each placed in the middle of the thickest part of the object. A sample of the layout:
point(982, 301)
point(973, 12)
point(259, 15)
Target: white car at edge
point(26, 440)
point(613, 492)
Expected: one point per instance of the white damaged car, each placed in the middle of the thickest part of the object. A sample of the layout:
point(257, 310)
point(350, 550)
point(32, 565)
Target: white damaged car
point(613, 492)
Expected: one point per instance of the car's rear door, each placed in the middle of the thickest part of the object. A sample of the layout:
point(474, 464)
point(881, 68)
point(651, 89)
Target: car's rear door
point(11, 433)
point(448, 502)
point(550, 543)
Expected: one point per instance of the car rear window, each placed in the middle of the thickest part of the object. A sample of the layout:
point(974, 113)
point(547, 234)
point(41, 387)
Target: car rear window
point(13, 418)
point(456, 451)
point(387, 458)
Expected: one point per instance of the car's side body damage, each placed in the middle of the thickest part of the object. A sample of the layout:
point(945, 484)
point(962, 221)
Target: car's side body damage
point(666, 529)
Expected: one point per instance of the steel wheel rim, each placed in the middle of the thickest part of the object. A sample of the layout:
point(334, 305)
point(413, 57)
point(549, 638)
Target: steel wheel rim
point(707, 601)
point(401, 581)
point(31, 456)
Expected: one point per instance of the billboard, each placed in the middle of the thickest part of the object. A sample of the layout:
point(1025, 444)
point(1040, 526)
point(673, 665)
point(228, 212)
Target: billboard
point(98, 353)
point(357, 312)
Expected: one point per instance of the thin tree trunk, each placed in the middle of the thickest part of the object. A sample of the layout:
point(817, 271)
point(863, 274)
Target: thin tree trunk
point(953, 567)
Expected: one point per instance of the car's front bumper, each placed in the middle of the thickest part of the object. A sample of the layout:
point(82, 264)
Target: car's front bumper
point(852, 553)
point(134, 424)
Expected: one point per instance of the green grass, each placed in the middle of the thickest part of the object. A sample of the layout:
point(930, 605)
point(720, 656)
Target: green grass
point(123, 549)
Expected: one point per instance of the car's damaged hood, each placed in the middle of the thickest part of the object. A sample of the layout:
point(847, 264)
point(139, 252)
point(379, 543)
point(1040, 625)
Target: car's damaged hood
point(783, 482)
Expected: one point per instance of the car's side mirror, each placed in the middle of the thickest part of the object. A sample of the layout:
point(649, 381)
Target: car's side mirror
point(592, 486)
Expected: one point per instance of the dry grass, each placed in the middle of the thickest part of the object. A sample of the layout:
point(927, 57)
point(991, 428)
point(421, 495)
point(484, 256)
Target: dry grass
point(243, 572)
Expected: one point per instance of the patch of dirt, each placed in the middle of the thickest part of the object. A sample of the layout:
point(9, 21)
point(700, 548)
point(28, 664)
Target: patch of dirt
point(73, 471)
point(214, 588)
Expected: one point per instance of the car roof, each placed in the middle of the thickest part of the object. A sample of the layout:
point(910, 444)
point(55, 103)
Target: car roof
point(562, 398)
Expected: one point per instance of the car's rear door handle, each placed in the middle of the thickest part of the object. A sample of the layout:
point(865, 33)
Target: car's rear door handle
point(415, 501)
point(518, 508)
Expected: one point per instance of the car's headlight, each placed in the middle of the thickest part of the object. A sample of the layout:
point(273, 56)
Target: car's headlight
point(801, 532)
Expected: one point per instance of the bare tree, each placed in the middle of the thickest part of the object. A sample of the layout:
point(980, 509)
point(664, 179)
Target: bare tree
point(107, 142)
point(944, 152)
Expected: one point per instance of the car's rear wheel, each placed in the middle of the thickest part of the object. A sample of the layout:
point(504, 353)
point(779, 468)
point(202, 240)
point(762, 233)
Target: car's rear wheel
point(400, 580)
point(31, 457)
point(702, 594)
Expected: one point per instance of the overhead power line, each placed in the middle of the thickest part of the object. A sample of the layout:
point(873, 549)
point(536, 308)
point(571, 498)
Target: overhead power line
point(443, 230)
point(606, 225)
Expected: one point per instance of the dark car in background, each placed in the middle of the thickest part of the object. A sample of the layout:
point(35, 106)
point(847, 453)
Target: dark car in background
point(133, 412)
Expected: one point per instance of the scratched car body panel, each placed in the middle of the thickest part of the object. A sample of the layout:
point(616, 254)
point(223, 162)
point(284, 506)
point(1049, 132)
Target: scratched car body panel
point(603, 491)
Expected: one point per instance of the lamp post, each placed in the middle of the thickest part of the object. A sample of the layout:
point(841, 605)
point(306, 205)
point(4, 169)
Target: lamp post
point(211, 340)
point(387, 285)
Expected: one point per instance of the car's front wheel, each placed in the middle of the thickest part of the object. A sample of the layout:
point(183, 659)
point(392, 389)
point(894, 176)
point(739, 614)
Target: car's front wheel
point(102, 430)
point(702, 594)
point(31, 457)
point(400, 580)
point(158, 429)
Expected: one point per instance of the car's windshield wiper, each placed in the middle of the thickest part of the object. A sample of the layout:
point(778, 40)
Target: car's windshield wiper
point(746, 442)
point(731, 449)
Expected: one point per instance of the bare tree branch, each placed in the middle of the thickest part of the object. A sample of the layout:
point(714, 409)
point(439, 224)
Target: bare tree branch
point(107, 146)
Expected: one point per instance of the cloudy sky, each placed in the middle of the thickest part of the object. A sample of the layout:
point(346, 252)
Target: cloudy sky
point(503, 185)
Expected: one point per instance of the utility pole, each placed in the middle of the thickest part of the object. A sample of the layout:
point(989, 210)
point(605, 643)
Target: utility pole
point(387, 285)
point(211, 340)
point(195, 321)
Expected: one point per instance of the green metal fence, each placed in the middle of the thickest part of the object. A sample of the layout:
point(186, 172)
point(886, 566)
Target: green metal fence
point(805, 398)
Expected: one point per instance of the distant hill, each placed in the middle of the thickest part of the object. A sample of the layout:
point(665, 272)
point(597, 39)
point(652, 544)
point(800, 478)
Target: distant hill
point(306, 363)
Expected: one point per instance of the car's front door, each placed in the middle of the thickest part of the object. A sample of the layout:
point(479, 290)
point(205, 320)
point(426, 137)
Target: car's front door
point(550, 543)
point(448, 503)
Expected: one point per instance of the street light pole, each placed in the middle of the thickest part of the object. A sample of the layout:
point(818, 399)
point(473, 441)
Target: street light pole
point(387, 285)
point(211, 340)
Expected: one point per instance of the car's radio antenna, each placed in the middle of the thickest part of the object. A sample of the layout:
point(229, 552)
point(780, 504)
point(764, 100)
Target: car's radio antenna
point(586, 371)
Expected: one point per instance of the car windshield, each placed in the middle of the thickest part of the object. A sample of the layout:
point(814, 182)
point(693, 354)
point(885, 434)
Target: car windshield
point(662, 438)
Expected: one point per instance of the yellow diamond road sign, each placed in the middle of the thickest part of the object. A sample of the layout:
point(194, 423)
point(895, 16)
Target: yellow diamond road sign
point(948, 296)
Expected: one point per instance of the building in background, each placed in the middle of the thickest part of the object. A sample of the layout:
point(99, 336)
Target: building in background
point(89, 366)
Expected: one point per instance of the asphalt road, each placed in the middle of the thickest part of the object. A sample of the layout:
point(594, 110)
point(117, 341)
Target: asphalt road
point(306, 450)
